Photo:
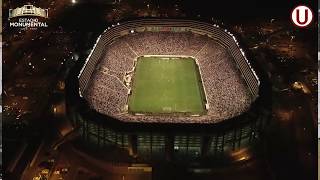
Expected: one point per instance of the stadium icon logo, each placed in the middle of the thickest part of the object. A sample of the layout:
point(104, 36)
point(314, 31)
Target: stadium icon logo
point(28, 16)
point(28, 10)
point(301, 16)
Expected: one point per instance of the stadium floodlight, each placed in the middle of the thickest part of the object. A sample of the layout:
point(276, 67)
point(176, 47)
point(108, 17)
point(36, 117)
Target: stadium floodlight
point(132, 31)
point(118, 24)
point(73, 1)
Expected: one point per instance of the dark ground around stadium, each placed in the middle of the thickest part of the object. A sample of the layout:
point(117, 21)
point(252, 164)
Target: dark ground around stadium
point(289, 150)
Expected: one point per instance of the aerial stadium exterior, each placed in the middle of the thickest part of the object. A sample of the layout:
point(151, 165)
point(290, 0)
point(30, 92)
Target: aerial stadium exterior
point(232, 120)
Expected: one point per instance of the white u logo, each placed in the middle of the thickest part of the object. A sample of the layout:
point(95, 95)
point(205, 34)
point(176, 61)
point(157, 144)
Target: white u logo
point(301, 16)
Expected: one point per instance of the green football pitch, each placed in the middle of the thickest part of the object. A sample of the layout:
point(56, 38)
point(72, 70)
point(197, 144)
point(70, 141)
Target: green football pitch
point(166, 85)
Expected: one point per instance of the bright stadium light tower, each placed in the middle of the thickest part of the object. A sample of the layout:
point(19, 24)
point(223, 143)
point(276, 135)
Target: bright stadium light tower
point(74, 1)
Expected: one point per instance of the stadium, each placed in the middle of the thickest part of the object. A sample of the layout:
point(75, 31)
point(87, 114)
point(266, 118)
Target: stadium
point(164, 88)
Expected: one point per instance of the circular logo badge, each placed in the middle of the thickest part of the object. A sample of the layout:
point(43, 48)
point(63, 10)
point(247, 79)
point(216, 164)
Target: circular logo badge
point(301, 16)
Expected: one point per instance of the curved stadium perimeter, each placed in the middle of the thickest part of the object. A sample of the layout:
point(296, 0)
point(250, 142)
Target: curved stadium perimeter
point(180, 72)
point(162, 90)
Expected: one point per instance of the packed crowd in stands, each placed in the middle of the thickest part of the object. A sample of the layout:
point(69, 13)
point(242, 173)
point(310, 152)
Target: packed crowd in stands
point(226, 91)
point(107, 93)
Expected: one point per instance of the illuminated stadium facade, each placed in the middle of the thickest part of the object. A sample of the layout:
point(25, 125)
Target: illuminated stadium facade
point(229, 91)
